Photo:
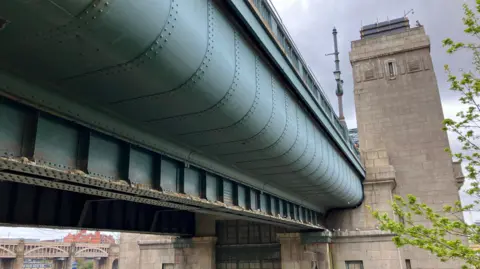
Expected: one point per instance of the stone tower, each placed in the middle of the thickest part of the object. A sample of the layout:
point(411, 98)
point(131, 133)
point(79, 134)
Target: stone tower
point(399, 119)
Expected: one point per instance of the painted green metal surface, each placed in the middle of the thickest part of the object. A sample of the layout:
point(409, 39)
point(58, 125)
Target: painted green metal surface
point(192, 182)
point(46, 151)
point(254, 199)
point(52, 132)
point(180, 70)
point(242, 197)
point(105, 158)
point(142, 168)
point(319, 106)
point(13, 125)
point(228, 195)
point(211, 188)
point(169, 176)
point(274, 206)
point(263, 202)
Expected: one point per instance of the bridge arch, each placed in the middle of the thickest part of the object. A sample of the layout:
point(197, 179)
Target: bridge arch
point(8, 251)
point(95, 249)
point(36, 249)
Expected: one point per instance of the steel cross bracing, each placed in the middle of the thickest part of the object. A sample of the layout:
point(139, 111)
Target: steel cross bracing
point(202, 86)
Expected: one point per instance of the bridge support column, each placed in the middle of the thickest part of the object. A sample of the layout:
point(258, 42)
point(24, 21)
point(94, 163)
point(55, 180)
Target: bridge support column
point(71, 257)
point(105, 263)
point(100, 264)
point(305, 250)
point(178, 253)
point(200, 255)
point(113, 253)
point(20, 250)
point(59, 264)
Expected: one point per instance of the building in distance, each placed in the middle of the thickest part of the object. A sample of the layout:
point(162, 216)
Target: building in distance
point(84, 237)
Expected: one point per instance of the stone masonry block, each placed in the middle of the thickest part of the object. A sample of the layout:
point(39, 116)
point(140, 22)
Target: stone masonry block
point(372, 155)
point(385, 175)
point(382, 154)
point(381, 162)
point(369, 163)
point(386, 169)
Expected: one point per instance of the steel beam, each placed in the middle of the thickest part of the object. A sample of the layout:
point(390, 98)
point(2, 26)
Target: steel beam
point(49, 152)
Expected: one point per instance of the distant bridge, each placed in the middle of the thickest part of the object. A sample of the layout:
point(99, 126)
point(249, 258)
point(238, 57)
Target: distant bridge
point(13, 253)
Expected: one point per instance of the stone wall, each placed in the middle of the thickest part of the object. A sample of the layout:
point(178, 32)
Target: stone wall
point(404, 113)
point(299, 255)
point(130, 249)
point(374, 248)
point(142, 251)
point(398, 108)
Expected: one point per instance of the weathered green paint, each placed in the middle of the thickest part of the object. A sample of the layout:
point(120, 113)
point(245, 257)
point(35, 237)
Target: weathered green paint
point(212, 188)
point(52, 152)
point(192, 183)
point(91, 118)
point(228, 192)
point(263, 202)
point(321, 110)
point(184, 72)
point(242, 198)
point(105, 158)
point(13, 125)
point(52, 132)
point(142, 167)
point(169, 175)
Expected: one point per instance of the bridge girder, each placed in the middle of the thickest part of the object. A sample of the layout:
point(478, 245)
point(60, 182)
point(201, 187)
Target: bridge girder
point(62, 174)
point(241, 136)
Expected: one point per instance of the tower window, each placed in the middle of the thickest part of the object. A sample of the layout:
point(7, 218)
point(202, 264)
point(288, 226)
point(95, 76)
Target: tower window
point(408, 264)
point(354, 264)
point(390, 69)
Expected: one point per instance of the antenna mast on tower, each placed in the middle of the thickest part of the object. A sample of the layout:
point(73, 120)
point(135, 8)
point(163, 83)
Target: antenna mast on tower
point(337, 73)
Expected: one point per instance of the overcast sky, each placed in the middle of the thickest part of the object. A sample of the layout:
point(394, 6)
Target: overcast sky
point(310, 23)
point(40, 233)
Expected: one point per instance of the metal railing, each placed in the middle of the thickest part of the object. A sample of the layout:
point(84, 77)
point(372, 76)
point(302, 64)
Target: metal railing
point(274, 22)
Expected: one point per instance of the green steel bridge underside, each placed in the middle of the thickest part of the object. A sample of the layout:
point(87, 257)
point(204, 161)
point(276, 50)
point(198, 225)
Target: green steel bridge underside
point(140, 107)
